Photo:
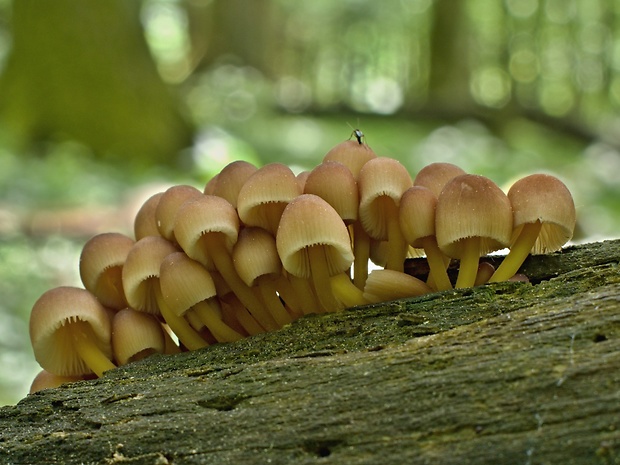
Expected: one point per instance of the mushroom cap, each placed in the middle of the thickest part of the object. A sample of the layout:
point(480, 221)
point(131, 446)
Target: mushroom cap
point(383, 285)
point(417, 214)
point(230, 180)
point(145, 223)
point(210, 185)
point(47, 380)
point(265, 194)
point(101, 264)
point(255, 254)
point(352, 154)
point(310, 221)
point(544, 198)
point(472, 206)
point(436, 175)
point(184, 282)
point(141, 272)
point(50, 326)
point(334, 183)
point(380, 177)
point(201, 216)
point(136, 335)
point(168, 206)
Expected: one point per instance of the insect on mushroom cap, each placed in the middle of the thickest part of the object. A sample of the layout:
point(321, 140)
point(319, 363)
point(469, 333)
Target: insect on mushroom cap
point(351, 154)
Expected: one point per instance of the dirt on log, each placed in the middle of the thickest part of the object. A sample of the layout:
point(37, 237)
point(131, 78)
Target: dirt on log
point(511, 373)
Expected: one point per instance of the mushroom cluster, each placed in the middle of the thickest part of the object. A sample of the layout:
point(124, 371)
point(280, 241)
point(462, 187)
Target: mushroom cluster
point(260, 247)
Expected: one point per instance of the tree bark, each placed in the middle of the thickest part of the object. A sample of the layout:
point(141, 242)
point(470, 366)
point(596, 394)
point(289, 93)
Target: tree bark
point(507, 373)
point(83, 71)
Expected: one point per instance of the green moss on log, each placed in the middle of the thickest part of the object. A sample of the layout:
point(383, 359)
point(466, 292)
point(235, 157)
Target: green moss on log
point(505, 373)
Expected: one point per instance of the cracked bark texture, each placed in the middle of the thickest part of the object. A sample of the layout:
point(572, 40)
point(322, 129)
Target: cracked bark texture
point(511, 373)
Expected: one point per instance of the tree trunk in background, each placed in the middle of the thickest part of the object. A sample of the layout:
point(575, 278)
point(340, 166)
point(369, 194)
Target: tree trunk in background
point(82, 70)
point(449, 66)
point(232, 30)
point(510, 373)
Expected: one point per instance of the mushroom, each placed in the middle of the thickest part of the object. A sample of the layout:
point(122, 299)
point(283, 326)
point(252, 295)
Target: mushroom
point(70, 333)
point(187, 287)
point(543, 220)
point(210, 185)
point(145, 223)
point(314, 244)
point(334, 183)
point(351, 154)
point(485, 271)
point(436, 175)
point(101, 266)
point(141, 272)
point(383, 285)
point(473, 217)
point(382, 181)
point(257, 262)
point(47, 380)
point(417, 223)
point(265, 194)
point(136, 335)
point(143, 291)
point(169, 204)
point(230, 180)
point(207, 228)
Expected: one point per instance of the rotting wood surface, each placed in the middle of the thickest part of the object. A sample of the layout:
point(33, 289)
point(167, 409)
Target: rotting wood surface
point(511, 373)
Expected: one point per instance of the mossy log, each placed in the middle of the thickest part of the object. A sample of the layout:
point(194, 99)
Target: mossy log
point(523, 373)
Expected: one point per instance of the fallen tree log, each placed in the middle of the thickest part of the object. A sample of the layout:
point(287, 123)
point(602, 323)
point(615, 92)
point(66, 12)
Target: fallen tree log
point(521, 373)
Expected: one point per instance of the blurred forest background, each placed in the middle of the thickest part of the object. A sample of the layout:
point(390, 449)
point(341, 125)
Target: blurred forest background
point(104, 103)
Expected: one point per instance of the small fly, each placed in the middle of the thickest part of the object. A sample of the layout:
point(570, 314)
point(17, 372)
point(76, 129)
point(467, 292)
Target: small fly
point(359, 135)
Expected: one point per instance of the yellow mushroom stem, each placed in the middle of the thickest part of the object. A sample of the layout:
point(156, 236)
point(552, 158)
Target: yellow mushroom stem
point(307, 298)
point(188, 336)
point(268, 292)
point(396, 244)
point(170, 346)
point(518, 252)
point(223, 263)
point(88, 351)
point(468, 266)
point(287, 293)
point(361, 251)
point(241, 314)
point(319, 274)
point(436, 263)
point(346, 292)
point(209, 315)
